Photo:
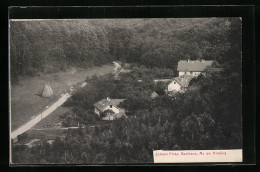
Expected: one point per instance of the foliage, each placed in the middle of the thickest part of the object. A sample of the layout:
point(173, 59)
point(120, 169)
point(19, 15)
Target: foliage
point(144, 72)
point(54, 45)
point(106, 112)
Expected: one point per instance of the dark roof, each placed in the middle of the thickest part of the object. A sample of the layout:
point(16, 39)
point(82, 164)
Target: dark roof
point(194, 65)
point(183, 80)
point(102, 104)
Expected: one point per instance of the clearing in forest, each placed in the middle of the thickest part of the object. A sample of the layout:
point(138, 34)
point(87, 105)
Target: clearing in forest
point(26, 101)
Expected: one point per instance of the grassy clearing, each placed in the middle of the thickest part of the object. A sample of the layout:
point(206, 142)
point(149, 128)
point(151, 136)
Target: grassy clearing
point(45, 134)
point(26, 101)
point(53, 118)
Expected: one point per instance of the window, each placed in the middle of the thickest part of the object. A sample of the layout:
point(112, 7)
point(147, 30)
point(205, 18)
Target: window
point(110, 106)
point(174, 82)
point(191, 72)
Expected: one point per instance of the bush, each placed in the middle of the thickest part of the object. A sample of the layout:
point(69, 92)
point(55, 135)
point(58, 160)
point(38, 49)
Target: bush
point(106, 112)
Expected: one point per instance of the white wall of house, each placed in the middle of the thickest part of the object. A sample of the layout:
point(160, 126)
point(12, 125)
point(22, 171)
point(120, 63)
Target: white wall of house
point(174, 86)
point(190, 73)
point(196, 73)
point(97, 111)
point(108, 117)
point(181, 73)
point(113, 108)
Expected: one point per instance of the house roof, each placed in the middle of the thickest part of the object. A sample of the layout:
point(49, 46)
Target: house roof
point(194, 65)
point(183, 80)
point(116, 102)
point(102, 104)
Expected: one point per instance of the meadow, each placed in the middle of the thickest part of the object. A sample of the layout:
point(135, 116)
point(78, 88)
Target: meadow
point(26, 101)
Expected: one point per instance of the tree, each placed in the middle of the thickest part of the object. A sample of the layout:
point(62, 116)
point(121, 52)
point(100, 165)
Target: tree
point(197, 131)
point(106, 113)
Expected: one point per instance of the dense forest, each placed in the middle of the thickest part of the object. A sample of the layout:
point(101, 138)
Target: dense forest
point(207, 116)
point(45, 46)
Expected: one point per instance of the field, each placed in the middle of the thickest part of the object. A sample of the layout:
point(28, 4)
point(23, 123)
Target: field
point(26, 101)
point(53, 118)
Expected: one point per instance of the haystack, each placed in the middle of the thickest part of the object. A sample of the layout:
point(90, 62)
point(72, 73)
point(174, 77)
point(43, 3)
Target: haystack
point(47, 91)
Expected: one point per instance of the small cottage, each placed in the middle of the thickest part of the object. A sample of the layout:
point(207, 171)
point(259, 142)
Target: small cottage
point(109, 104)
point(179, 84)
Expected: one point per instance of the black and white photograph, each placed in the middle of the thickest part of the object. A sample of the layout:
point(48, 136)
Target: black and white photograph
point(125, 90)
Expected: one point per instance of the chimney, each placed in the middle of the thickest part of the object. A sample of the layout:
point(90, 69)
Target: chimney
point(188, 60)
point(108, 99)
point(202, 60)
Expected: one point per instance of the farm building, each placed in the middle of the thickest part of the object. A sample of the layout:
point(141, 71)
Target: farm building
point(193, 67)
point(109, 104)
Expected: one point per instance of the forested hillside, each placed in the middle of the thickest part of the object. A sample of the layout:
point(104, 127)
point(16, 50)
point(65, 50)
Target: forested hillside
point(46, 46)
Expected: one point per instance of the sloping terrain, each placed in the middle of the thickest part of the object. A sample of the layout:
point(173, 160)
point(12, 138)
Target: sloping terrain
point(26, 101)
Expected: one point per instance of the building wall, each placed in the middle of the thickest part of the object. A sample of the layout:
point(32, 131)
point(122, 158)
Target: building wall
point(191, 73)
point(108, 117)
point(196, 73)
point(174, 86)
point(187, 73)
point(181, 73)
point(97, 111)
point(114, 109)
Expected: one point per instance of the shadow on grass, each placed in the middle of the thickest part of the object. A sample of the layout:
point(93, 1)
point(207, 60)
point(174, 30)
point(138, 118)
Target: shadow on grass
point(40, 95)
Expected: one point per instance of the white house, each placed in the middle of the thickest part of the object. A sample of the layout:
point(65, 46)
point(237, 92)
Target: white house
point(193, 67)
point(111, 104)
point(179, 84)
